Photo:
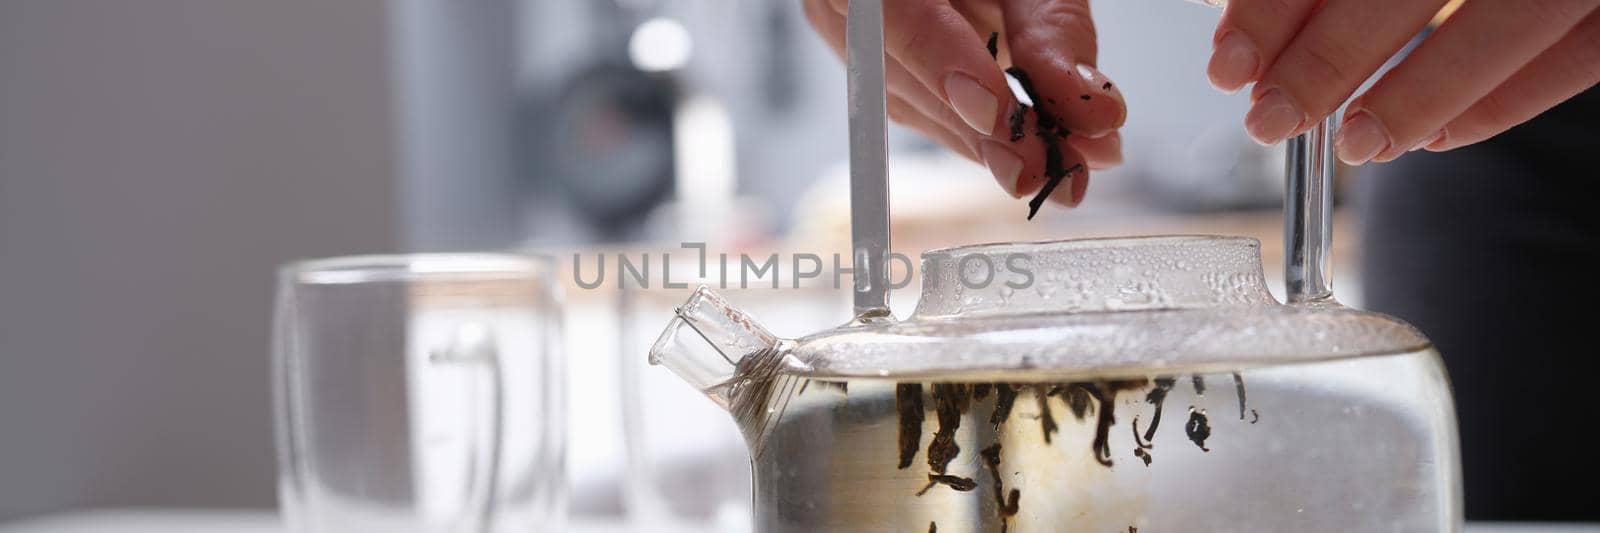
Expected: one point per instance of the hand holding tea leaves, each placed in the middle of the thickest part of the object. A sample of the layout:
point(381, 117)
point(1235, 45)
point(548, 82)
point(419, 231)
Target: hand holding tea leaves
point(945, 73)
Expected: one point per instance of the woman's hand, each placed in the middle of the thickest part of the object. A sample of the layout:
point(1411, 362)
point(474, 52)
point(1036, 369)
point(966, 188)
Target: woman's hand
point(943, 82)
point(1492, 65)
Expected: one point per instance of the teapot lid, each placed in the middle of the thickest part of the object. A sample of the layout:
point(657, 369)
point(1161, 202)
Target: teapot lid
point(1102, 308)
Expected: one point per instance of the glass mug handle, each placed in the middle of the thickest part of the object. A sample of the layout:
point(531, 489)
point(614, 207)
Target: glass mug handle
point(473, 343)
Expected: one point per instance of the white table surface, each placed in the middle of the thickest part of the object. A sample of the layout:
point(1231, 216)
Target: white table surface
point(188, 520)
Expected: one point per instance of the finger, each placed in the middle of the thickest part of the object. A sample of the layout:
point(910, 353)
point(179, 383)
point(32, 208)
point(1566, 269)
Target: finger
point(984, 15)
point(1409, 104)
point(904, 90)
point(913, 105)
point(905, 87)
point(1021, 166)
point(904, 113)
point(1053, 42)
point(943, 51)
point(1099, 152)
point(828, 23)
point(1250, 36)
point(1037, 165)
point(987, 19)
point(1562, 71)
point(1080, 187)
point(1342, 45)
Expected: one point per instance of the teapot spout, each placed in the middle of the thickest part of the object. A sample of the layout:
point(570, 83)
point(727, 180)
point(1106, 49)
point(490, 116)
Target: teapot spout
point(707, 344)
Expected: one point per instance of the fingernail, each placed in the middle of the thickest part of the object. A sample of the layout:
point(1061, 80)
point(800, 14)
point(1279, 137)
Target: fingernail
point(1003, 163)
point(1273, 117)
point(1064, 193)
point(1094, 80)
point(1088, 73)
point(1436, 137)
point(1114, 139)
point(1233, 63)
point(1080, 188)
point(1361, 138)
point(1108, 148)
point(976, 105)
point(1098, 87)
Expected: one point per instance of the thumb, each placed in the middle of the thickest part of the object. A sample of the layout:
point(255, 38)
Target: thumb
point(1053, 41)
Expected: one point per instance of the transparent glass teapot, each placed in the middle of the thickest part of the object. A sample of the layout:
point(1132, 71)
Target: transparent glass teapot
point(1142, 384)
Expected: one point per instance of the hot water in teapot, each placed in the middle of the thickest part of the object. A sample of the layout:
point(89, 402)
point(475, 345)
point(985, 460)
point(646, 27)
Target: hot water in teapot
point(1144, 384)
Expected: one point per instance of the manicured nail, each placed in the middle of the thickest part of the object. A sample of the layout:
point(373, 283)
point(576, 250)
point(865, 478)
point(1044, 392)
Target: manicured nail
point(1115, 140)
point(1080, 188)
point(976, 105)
point(1089, 73)
point(1361, 138)
point(1273, 117)
point(1003, 163)
point(1096, 82)
point(1097, 87)
point(1436, 137)
point(1107, 149)
point(1233, 63)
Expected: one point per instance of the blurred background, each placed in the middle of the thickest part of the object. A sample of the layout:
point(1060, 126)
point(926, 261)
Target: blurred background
point(158, 159)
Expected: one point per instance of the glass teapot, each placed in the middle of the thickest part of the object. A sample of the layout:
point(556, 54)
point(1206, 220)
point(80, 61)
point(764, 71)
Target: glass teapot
point(1141, 384)
point(1113, 385)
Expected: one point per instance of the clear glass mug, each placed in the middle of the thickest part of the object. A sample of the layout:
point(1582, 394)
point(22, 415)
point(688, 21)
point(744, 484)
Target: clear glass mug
point(420, 393)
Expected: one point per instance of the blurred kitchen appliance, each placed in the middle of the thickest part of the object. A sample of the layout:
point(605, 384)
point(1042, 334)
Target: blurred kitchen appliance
point(598, 139)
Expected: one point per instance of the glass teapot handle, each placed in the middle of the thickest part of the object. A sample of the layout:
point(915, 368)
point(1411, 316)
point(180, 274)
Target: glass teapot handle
point(869, 178)
point(1307, 211)
point(1308, 216)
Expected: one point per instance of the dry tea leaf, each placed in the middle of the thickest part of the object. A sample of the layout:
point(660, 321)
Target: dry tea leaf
point(1018, 117)
point(1006, 506)
point(1238, 385)
point(908, 400)
point(1005, 398)
point(1050, 131)
point(1198, 428)
point(960, 484)
point(1157, 397)
point(949, 401)
point(1079, 398)
point(1047, 421)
